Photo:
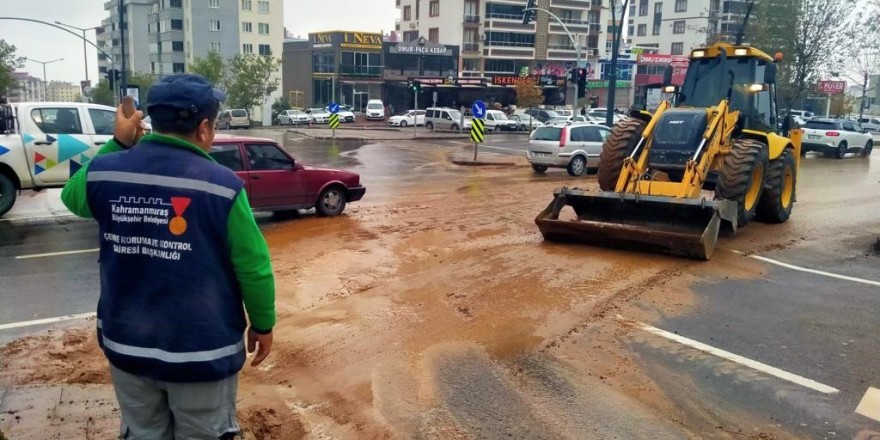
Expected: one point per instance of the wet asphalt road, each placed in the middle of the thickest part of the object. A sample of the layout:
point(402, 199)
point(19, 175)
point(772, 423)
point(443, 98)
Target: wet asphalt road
point(812, 325)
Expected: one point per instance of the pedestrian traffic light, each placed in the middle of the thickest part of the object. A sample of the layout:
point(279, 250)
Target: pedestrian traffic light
point(573, 75)
point(529, 12)
point(416, 86)
point(582, 81)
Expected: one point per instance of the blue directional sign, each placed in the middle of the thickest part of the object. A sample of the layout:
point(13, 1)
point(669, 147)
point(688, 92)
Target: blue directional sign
point(479, 109)
point(333, 107)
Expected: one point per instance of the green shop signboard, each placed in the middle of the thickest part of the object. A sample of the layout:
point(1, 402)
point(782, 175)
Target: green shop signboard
point(603, 83)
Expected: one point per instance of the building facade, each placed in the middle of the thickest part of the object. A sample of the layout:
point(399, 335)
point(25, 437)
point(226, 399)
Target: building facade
point(28, 88)
point(164, 36)
point(60, 91)
point(494, 42)
point(676, 27)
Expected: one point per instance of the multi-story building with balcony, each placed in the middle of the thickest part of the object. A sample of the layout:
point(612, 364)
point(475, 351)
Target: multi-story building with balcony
point(27, 88)
point(496, 44)
point(675, 27)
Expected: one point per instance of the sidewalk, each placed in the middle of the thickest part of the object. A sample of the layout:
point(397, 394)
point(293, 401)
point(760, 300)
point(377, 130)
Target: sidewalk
point(41, 412)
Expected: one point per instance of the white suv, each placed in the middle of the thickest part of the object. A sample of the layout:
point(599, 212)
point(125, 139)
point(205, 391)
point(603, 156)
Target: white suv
point(573, 146)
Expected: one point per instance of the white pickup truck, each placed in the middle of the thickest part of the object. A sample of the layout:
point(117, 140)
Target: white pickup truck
point(836, 137)
point(42, 144)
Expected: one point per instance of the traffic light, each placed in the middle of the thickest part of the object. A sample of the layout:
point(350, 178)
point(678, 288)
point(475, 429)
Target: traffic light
point(582, 81)
point(573, 75)
point(416, 86)
point(529, 13)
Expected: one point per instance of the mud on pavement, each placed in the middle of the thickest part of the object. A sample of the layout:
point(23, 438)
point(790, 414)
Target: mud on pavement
point(440, 314)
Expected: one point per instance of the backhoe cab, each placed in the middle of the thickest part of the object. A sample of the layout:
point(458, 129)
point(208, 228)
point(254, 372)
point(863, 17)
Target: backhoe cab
point(655, 169)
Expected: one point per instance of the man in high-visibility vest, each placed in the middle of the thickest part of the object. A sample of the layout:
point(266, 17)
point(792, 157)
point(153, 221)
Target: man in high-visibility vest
point(181, 261)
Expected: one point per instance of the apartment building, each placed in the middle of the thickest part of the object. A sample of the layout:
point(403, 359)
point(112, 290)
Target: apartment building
point(135, 15)
point(674, 27)
point(493, 39)
point(27, 89)
point(61, 91)
point(164, 36)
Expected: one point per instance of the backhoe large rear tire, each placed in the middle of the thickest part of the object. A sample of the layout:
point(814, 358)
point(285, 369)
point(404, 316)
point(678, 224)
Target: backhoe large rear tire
point(742, 178)
point(779, 189)
point(623, 139)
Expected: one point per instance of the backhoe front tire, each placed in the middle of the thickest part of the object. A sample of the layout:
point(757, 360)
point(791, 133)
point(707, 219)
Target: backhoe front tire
point(742, 178)
point(623, 139)
point(779, 189)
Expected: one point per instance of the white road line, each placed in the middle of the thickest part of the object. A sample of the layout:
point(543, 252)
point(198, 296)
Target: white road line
point(523, 152)
point(46, 321)
point(869, 406)
point(755, 365)
point(814, 271)
point(55, 254)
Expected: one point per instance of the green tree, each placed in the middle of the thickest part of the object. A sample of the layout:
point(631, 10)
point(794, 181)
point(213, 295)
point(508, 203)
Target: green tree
point(281, 103)
point(527, 95)
point(251, 79)
point(101, 93)
point(8, 63)
point(210, 67)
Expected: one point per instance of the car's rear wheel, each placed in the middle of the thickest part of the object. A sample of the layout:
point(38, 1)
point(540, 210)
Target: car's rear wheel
point(841, 150)
point(7, 194)
point(454, 127)
point(540, 169)
point(331, 202)
point(429, 125)
point(577, 166)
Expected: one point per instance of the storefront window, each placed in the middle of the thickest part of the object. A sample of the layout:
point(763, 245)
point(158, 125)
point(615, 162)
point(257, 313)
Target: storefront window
point(323, 62)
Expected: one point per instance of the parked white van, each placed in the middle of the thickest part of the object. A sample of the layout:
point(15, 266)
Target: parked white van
point(375, 110)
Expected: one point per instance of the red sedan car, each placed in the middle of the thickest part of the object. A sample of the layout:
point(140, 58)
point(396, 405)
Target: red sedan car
point(275, 181)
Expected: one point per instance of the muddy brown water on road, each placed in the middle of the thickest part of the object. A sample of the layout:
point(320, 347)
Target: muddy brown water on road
point(437, 311)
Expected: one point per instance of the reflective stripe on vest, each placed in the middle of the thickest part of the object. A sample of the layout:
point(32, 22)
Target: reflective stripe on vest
point(168, 356)
point(165, 181)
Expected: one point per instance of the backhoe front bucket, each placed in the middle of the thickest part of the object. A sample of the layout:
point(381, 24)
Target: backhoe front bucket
point(683, 227)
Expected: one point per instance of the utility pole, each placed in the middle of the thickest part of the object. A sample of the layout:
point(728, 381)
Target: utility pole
point(529, 15)
point(124, 81)
point(617, 29)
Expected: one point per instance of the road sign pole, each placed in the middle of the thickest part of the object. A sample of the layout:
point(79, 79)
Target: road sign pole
point(416, 114)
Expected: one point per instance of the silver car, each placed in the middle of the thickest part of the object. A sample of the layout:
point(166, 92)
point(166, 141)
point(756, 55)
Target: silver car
point(293, 117)
point(574, 146)
point(318, 115)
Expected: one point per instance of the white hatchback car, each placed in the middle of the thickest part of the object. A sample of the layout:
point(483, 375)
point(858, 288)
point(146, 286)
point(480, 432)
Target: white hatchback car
point(408, 119)
point(573, 146)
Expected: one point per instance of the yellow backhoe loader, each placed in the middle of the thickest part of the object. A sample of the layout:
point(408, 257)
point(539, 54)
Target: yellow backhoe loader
point(658, 172)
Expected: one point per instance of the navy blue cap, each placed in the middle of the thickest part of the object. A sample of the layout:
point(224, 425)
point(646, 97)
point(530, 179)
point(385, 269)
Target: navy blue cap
point(182, 97)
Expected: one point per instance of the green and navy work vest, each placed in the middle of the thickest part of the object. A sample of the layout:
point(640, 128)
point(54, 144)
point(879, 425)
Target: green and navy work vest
point(170, 307)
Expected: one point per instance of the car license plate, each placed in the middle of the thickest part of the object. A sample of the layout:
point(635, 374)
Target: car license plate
point(541, 154)
point(813, 136)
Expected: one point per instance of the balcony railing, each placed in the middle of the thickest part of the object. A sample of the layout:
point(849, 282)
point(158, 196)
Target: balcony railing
point(505, 16)
point(511, 44)
point(471, 47)
point(360, 70)
point(576, 22)
point(560, 47)
point(471, 18)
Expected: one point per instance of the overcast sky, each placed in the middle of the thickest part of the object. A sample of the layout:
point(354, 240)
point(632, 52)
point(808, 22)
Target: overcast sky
point(45, 43)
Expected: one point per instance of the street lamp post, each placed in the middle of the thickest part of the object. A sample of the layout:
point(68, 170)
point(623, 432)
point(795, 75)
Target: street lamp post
point(574, 41)
point(45, 83)
point(112, 61)
point(85, 41)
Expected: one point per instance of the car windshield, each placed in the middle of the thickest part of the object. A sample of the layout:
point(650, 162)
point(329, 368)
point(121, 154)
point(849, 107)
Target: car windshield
point(547, 134)
point(239, 113)
point(552, 114)
point(500, 116)
point(374, 106)
point(559, 119)
point(821, 125)
point(455, 114)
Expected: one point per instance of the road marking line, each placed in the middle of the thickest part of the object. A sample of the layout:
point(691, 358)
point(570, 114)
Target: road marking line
point(814, 271)
point(502, 148)
point(55, 254)
point(869, 406)
point(46, 321)
point(755, 365)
